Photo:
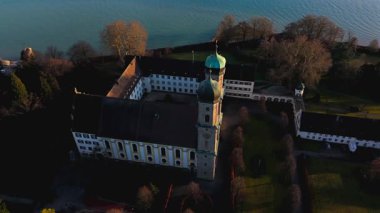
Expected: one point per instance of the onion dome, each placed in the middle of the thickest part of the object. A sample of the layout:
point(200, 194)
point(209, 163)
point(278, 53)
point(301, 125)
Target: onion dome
point(215, 61)
point(208, 90)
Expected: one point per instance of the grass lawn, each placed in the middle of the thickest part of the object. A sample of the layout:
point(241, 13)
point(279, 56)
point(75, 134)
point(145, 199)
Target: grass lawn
point(337, 189)
point(339, 103)
point(263, 194)
point(363, 59)
point(202, 55)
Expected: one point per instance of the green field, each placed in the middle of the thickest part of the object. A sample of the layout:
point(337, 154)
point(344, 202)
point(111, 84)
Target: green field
point(332, 102)
point(263, 194)
point(337, 189)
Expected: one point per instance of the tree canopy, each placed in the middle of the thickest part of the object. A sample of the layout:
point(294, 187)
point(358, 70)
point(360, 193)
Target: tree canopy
point(81, 51)
point(315, 27)
point(261, 27)
point(225, 29)
point(299, 60)
point(125, 38)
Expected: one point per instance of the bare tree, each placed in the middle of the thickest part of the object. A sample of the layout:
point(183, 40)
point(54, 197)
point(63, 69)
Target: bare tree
point(244, 29)
point(80, 51)
point(284, 119)
point(238, 160)
point(237, 189)
point(225, 30)
point(188, 210)
point(125, 38)
point(374, 171)
point(315, 27)
point(144, 198)
point(261, 27)
point(374, 45)
point(115, 210)
point(299, 60)
point(238, 137)
point(294, 195)
point(244, 114)
point(53, 52)
point(27, 54)
point(194, 191)
point(263, 104)
point(289, 167)
point(288, 144)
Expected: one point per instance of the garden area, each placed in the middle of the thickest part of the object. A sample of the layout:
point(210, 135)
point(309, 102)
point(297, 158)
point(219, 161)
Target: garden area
point(332, 102)
point(337, 187)
point(263, 190)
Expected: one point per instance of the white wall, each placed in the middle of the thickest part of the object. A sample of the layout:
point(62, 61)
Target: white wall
point(115, 153)
point(238, 88)
point(339, 139)
point(86, 143)
point(175, 84)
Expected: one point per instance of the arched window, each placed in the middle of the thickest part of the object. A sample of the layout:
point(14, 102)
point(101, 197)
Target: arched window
point(108, 145)
point(149, 150)
point(177, 153)
point(120, 146)
point(134, 147)
point(207, 118)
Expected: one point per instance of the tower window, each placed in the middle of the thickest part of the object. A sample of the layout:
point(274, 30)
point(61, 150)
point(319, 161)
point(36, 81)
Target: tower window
point(163, 152)
point(177, 153)
point(207, 118)
point(134, 147)
point(149, 150)
point(120, 146)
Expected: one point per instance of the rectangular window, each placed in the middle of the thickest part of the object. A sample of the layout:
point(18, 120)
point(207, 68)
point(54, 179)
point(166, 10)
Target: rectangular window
point(178, 153)
point(82, 147)
point(134, 148)
point(207, 118)
point(80, 141)
point(85, 135)
point(163, 152)
point(149, 150)
point(88, 142)
point(93, 136)
point(77, 134)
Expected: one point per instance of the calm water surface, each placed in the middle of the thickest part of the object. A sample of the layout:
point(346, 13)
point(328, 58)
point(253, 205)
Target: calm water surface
point(39, 23)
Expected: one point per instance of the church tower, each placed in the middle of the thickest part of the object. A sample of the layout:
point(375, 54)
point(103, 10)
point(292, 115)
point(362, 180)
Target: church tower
point(210, 94)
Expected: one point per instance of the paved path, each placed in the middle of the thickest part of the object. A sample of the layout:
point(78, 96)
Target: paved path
point(321, 154)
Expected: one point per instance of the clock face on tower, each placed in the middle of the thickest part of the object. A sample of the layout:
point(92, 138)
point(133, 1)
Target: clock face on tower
point(206, 135)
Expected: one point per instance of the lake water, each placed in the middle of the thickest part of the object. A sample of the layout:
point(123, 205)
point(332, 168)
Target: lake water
point(39, 23)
